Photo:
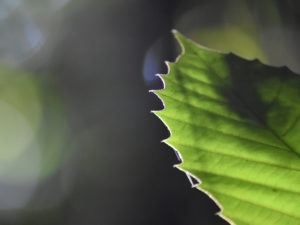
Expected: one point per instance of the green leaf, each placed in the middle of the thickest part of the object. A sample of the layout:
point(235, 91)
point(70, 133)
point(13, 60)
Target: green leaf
point(236, 126)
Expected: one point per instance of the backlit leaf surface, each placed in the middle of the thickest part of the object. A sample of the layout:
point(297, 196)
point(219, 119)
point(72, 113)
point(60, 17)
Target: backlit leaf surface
point(236, 126)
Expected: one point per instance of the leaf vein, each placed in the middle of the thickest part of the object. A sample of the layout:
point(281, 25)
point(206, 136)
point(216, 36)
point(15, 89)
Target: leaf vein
point(256, 204)
point(211, 112)
point(291, 126)
point(237, 157)
point(246, 181)
point(226, 134)
point(200, 94)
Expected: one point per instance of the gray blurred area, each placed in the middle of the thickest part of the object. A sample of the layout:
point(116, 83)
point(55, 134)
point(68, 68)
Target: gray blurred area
point(97, 156)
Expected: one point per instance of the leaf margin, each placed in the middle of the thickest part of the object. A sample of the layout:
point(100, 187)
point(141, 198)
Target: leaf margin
point(179, 37)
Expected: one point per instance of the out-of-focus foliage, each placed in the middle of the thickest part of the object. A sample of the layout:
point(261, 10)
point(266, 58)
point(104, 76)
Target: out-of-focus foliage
point(236, 125)
point(237, 32)
point(249, 29)
point(32, 136)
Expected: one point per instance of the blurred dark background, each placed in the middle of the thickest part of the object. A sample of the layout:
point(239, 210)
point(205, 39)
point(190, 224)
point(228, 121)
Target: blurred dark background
point(79, 144)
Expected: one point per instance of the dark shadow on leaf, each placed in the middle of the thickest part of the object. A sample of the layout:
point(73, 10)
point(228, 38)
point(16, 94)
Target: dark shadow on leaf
point(242, 93)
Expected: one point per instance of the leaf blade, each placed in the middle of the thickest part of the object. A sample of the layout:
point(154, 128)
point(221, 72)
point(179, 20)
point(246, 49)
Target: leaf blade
point(227, 136)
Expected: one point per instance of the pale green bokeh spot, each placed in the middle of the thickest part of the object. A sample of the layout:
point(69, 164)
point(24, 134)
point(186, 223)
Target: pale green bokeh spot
point(15, 135)
point(34, 129)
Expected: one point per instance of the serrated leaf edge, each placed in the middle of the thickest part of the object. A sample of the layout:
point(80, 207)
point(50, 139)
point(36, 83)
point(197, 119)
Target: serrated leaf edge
point(176, 34)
